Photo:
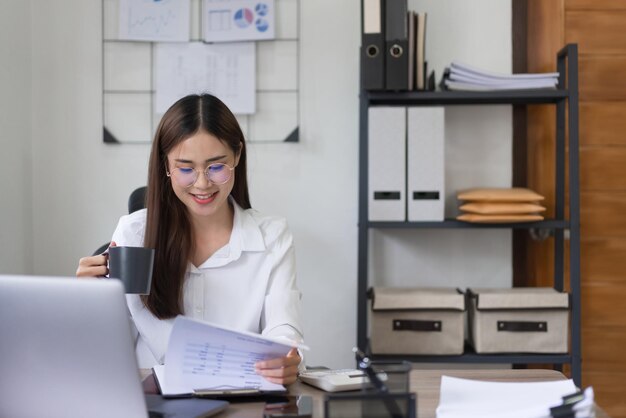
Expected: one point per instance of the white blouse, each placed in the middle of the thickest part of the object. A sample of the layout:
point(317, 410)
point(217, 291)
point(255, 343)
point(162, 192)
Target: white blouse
point(249, 284)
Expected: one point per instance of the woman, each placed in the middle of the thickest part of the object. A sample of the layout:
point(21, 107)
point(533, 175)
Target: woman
point(216, 259)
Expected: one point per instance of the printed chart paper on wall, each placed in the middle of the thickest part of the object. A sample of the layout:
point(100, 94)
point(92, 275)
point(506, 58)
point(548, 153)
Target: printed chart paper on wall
point(246, 52)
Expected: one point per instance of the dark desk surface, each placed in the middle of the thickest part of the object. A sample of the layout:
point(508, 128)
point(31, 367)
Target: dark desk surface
point(425, 383)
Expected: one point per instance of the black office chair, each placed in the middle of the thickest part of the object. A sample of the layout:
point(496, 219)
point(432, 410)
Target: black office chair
point(136, 201)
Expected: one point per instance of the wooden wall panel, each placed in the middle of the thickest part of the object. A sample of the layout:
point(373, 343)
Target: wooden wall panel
point(602, 77)
point(599, 349)
point(603, 214)
point(541, 153)
point(603, 305)
point(602, 123)
point(602, 260)
point(602, 168)
point(595, 4)
point(545, 34)
point(609, 389)
point(541, 260)
point(596, 32)
point(599, 27)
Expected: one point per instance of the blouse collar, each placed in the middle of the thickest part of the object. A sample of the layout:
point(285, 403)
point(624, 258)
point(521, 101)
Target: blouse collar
point(245, 236)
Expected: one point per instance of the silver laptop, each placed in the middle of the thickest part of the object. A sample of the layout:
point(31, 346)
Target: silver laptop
point(66, 350)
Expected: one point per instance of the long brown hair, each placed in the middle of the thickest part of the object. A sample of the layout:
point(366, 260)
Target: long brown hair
point(168, 229)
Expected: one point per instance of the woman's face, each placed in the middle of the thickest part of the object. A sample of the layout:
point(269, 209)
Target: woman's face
point(204, 197)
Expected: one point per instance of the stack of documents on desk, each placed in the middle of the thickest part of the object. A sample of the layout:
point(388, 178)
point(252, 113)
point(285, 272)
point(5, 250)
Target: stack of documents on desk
point(464, 77)
point(206, 360)
point(463, 398)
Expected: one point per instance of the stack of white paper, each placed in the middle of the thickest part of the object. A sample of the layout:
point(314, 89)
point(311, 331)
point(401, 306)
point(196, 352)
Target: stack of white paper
point(203, 357)
point(463, 398)
point(464, 77)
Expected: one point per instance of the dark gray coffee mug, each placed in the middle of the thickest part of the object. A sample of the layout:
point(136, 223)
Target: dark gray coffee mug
point(133, 266)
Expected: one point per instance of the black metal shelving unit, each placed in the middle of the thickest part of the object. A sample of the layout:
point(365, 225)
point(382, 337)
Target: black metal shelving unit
point(565, 97)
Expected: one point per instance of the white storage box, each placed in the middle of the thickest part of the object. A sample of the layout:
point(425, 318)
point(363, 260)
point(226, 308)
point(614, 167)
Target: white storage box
point(518, 320)
point(417, 321)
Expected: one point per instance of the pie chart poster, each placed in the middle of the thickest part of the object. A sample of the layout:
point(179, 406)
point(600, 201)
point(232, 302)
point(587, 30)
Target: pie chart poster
point(237, 20)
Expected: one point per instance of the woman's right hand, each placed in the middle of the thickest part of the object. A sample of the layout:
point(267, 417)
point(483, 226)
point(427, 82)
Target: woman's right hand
point(94, 266)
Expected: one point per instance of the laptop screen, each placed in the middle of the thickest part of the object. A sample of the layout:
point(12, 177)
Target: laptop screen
point(66, 349)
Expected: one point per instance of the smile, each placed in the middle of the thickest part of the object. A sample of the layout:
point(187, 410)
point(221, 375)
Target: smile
point(204, 198)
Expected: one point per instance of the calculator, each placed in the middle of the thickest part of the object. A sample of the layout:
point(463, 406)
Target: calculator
point(338, 380)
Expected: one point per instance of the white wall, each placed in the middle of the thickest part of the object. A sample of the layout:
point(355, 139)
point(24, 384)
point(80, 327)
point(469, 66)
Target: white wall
point(15, 138)
point(315, 183)
point(319, 194)
point(80, 185)
point(477, 152)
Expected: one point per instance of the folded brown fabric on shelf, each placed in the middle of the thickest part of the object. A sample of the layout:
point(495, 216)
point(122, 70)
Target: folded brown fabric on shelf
point(476, 218)
point(514, 194)
point(499, 208)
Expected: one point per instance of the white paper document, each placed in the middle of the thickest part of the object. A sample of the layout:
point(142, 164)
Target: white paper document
point(237, 20)
point(472, 86)
point(465, 77)
point(224, 70)
point(464, 398)
point(154, 20)
point(463, 68)
point(204, 357)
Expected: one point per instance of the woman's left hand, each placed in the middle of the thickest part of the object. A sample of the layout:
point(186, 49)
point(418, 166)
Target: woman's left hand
point(283, 370)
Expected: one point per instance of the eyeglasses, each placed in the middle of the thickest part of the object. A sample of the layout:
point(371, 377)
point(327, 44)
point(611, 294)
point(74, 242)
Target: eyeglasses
point(217, 173)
